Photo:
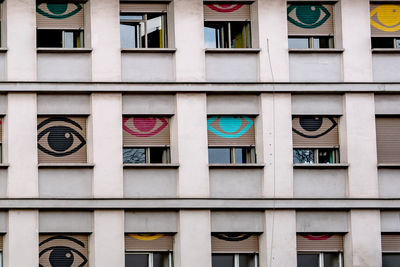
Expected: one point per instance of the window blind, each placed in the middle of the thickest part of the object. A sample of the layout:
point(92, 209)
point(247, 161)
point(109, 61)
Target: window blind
point(227, 12)
point(315, 132)
point(388, 140)
point(62, 16)
point(62, 139)
point(234, 243)
point(325, 243)
point(310, 19)
point(146, 131)
point(230, 131)
point(142, 8)
point(390, 243)
point(148, 242)
point(385, 20)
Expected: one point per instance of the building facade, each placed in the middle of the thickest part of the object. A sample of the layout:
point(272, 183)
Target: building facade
point(194, 133)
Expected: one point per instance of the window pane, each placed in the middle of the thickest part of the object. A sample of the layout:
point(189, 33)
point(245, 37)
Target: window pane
point(303, 156)
point(155, 30)
point(298, 43)
point(130, 34)
point(160, 259)
point(215, 35)
point(390, 260)
point(134, 155)
point(136, 260)
point(219, 155)
point(382, 42)
point(222, 260)
point(244, 155)
point(323, 42)
point(158, 155)
point(397, 43)
point(240, 34)
point(49, 38)
point(246, 260)
point(331, 259)
point(325, 155)
point(307, 260)
point(131, 17)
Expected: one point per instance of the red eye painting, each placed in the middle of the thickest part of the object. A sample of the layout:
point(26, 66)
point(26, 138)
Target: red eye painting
point(317, 237)
point(144, 127)
point(225, 8)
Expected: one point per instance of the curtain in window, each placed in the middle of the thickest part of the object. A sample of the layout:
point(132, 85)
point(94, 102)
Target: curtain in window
point(62, 16)
point(385, 20)
point(326, 243)
point(227, 12)
point(234, 243)
point(148, 242)
point(146, 131)
point(230, 131)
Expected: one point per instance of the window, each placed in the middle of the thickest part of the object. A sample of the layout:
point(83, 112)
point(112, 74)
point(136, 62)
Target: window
point(146, 140)
point(63, 250)
point(227, 26)
point(310, 25)
point(385, 29)
point(231, 140)
point(62, 139)
point(234, 250)
point(143, 25)
point(315, 139)
point(60, 25)
point(390, 250)
point(319, 250)
point(388, 140)
point(148, 250)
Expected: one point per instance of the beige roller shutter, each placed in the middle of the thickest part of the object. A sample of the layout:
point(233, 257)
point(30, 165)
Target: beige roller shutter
point(227, 12)
point(324, 25)
point(1, 242)
point(77, 245)
point(381, 18)
point(319, 243)
point(247, 244)
point(51, 16)
point(142, 8)
point(230, 131)
point(315, 132)
point(62, 139)
point(390, 243)
point(148, 242)
point(146, 131)
point(388, 140)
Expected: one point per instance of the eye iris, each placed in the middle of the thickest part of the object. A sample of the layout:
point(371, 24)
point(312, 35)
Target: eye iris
point(230, 124)
point(61, 257)
point(144, 124)
point(60, 139)
point(311, 124)
point(389, 15)
point(308, 14)
point(57, 8)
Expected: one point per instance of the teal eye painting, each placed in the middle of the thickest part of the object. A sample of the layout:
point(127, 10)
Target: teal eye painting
point(307, 16)
point(58, 11)
point(229, 126)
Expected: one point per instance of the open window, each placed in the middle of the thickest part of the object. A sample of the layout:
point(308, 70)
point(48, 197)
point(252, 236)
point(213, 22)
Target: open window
point(310, 25)
point(385, 26)
point(319, 250)
point(234, 250)
point(60, 25)
point(390, 250)
point(388, 140)
point(227, 25)
point(315, 139)
point(231, 140)
point(148, 250)
point(146, 140)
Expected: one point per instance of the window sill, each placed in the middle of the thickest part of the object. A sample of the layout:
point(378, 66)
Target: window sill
point(316, 50)
point(236, 166)
point(4, 165)
point(3, 50)
point(320, 166)
point(386, 50)
point(233, 50)
point(151, 166)
point(64, 50)
point(388, 166)
point(65, 165)
point(148, 50)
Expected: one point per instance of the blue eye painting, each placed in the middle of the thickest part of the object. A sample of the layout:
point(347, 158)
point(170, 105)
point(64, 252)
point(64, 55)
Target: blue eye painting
point(229, 126)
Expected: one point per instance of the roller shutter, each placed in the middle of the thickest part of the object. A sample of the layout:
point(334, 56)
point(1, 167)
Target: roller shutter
point(324, 243)
point(385, 20)
point(148, 242)
point(388, 140)
point(238, 243)
point(68, 16)
point(227, 12)
point(146, 131)
point(142, 8)
point(390, 243)
point(230, 131)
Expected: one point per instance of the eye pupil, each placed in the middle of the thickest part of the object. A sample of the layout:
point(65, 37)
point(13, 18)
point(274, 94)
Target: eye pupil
point(57, 8)
point(144, 124)
point(310, 124)
point(308, 14)
point(61, 257)
point(60, 139)
point(230, 124)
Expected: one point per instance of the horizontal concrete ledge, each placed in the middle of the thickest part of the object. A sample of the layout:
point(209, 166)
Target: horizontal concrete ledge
point(388, 166)
point(64, 50)
point(236, 166)
point(316, 50)
point(148, 50)
point(4, 165)
point(226, 204)
point(321, 166)
point(232, 50)
point(3, 49)
point(65, 165)
point(386, 50)
point(151, 166)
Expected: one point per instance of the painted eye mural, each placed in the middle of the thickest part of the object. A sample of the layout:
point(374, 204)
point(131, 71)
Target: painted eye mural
point(58, 11)
point(61, 139)
point(140, 131)
point(316, 237)
point(148, 242)
point(230, 130)
point(319, 242)
point(63, 251)
point(308, 16)
point(224, 8)
point(232, 236)
point(226, 12)
point(146, 237)
point(234, 242)
point(385, 18)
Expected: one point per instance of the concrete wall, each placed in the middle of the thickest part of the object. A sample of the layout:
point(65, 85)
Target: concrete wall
point(65, 222)
point(387, 104)
point(151, 221)
point(237, 221)
point(384, 67)
point(146, 104)
point(220, 104)
point(62, 104)
point(389, 183)
point(390, 221)
point(321, 104)
point(322, 222)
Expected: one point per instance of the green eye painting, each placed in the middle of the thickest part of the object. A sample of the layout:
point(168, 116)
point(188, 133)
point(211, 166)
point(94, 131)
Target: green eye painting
point(58, 11)
point(307, 16)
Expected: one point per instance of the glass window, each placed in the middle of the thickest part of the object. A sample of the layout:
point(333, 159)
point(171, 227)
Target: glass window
point(136, 260)
point(247, 260)
point(146, 155)
point(310, 42)
point(227, 34)
point(60, 38)
point(307, 260)
point(234, 260)
point(390, 259)
point(385, 42)
point(331, 259)
point(235, 155)
point(223, 260)
point(298, 42)
point(219, 155)
point(316, 156)
point(303, 156)
point(161, 259)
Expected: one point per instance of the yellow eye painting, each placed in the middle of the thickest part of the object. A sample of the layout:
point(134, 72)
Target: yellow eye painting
point(386, 18)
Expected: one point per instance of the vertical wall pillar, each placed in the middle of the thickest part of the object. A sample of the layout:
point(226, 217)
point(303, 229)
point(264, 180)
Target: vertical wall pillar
point(278, 242)
point(105, 40)
point(273, 40)
point(189, 40)
point(357, 57)
point(192, 245)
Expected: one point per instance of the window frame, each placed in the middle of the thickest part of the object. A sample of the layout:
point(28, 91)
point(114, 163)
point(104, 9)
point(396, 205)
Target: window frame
point(335, 153)
point(236, 257)
point(251, 157)
point(311, 39)
point(321, 256)
point(166, 154)
point(151, 258)
point(247, 39)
